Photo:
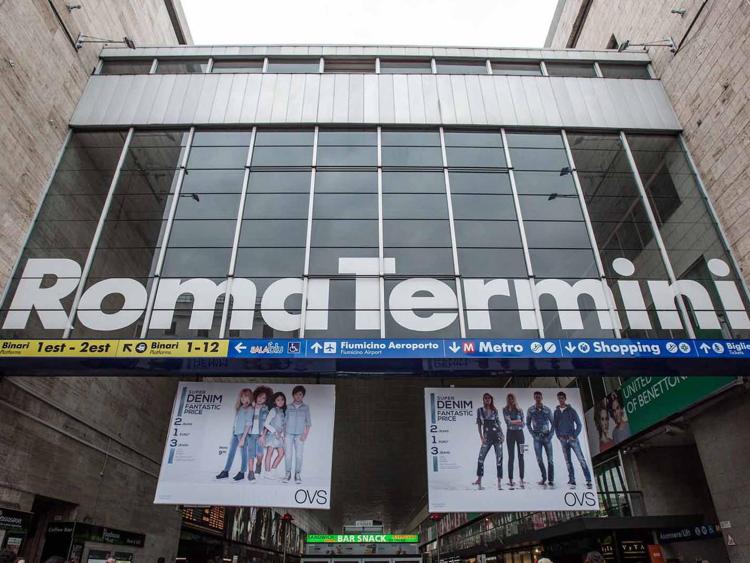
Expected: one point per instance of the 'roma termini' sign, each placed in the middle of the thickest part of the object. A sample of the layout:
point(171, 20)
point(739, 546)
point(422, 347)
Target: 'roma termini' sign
point(423, 305)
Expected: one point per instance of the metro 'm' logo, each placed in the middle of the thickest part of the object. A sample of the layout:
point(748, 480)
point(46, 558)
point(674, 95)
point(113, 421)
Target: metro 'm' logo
point(469, 348)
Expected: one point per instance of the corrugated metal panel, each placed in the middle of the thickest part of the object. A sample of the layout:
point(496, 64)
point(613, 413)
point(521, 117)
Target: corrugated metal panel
point(281, 98)
point(310, 101)
point(236, 98)
point(389, 98)
point(357, 98)
point(296, 98)
point(265, 99)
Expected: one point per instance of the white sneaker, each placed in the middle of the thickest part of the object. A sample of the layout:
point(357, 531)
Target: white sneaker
point(297, 478)
point(287, 478)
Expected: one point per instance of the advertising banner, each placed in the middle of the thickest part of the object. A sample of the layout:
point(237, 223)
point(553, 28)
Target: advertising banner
point(249, 444)
point(507, 450)
point(642, 402)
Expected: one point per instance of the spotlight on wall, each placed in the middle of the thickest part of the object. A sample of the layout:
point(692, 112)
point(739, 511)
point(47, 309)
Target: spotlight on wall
point(83, 39)
point(668, 42)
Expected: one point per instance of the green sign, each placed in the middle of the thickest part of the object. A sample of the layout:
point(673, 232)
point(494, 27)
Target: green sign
point(362, 538)
point(649, 400)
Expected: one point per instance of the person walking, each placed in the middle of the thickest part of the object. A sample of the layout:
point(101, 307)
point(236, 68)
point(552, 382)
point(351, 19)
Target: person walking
point(568, 426)
point(539, 423)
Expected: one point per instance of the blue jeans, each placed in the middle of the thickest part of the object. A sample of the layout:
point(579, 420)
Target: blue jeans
point(569, 444)
point(484, 450)
point(293, 441)
point(233, 450)
point(548, 473)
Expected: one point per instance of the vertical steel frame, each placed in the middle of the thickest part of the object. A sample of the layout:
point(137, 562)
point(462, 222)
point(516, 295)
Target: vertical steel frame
point(522, 230)
point(167, 231)
point(308, 237)
point(454, 246)
point(657, 234)
point(381, 252)
point(714, 215)
point(97, 235)
point(237, 231)
point(592, 237)
point(38, 210)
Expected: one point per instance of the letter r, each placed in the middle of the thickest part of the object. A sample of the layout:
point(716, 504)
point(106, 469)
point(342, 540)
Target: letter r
point(47, 301)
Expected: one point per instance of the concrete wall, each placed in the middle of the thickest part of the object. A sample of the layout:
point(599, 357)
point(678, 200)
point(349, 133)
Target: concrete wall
point(66, 452)
point(721, 438)
point(95, 443)
point(707, 82)
point(41, 81)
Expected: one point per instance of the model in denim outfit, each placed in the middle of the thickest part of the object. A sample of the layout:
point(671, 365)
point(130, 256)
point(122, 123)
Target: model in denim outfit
point(491, 436)
point(515, 440)
point(298, 425)
point(568, 426)
point(273, 432)
point(540, 424)
point(262, 395)
point(243, 421)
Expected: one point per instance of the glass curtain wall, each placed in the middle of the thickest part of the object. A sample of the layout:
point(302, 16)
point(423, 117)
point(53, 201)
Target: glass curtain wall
point(347, 216)
point(67, 221)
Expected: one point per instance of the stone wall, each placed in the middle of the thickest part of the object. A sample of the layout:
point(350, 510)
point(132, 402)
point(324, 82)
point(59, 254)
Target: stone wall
point(41, 81)
point(708, 82)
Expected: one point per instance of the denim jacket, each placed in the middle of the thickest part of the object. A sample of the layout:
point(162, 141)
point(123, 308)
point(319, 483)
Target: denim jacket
point(510, 415)
point(567, 422)
point(539, 421)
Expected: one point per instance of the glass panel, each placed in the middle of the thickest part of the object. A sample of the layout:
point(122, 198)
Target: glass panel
point(416, 233)
point(412, 156)
point(212, 181)
point(410, 138)
point(349, 65)
point(270, 262)
point(475, 157)
point(280, 182)
point(583, 70)
point(492, 262)
point(196, 262)
point(485, 207)
point(327, 232)
point(282, 156)
point(421, 261)
point(458, 138)
point(516, 68)
point(347, 137)
point(208, 206)
point(345, 206)
point(550, 208)
point(126, 66)
point(244, 66)
point(276, 206)
point(446, 66)
point(205, 233)
point(217, 157)
point(284, 137)
point(155, 150)
point(563, 263)
point(479, 182)
point(533, 182)
point(615, 70)
point(491, 234)
point(415, 206)
point(273, 233)
point(413, 182)
point(405, 66)
point(181, 66)
point(556, 234)
point(305, 65)
point(222, 138)
point(325, 261)
point(347, 156)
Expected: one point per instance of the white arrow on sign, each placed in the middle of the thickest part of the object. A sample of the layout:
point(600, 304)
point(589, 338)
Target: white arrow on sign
point(240, 347)
point(705, 347)
point(316, 347)
point(454, 347)
point(570, 348)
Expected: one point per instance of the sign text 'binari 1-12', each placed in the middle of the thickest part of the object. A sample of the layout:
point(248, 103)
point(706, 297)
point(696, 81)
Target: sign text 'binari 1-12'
point(249, 444)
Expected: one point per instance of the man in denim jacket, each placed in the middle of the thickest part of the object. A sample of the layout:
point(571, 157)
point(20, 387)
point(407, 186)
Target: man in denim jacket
point(539, 422)
point(568, 426)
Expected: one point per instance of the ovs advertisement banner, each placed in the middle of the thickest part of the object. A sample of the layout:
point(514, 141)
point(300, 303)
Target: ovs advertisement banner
point(249, 444)
point(506, 450)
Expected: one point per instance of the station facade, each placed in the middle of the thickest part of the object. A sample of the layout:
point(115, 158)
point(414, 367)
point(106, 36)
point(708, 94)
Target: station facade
point(358, 196)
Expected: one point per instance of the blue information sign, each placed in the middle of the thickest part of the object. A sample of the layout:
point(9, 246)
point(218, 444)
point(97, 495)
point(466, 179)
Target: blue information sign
point(362, 348)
